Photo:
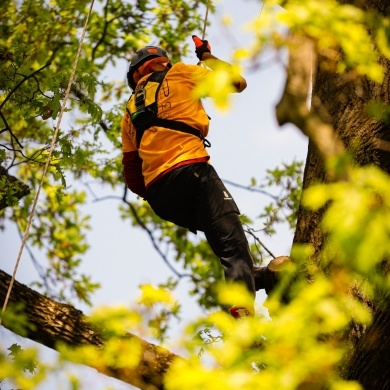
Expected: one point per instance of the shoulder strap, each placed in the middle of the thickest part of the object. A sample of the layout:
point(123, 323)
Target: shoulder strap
point(139, 93)
point(158, 77)
point(149, 113)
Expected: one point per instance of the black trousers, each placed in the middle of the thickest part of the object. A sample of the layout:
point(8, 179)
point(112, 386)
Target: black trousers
point(193, 196)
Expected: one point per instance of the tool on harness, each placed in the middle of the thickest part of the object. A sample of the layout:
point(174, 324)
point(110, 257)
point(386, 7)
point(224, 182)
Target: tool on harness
point(142, 108)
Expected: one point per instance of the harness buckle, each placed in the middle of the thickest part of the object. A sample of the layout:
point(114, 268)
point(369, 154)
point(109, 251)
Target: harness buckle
point(139, 99)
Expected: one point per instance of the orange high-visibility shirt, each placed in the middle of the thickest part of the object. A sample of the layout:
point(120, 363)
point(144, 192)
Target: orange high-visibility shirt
point(162, 149)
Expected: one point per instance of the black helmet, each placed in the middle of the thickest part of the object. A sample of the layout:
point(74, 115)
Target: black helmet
point(142, 56)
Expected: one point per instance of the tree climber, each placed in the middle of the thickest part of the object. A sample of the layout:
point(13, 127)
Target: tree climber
point(166, 163)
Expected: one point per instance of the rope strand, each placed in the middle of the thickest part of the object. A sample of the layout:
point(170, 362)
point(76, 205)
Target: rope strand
point(205, 19)
point(53, 142)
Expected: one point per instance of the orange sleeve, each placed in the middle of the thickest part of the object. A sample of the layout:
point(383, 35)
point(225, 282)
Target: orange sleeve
point(128, 134)
point(132, 170)
point(131, 161)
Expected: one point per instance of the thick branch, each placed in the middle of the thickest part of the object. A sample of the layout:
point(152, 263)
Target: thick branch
point(293, 105)
point(54, 322)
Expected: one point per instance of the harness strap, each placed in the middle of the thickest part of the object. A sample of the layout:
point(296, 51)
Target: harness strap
point(180, 126)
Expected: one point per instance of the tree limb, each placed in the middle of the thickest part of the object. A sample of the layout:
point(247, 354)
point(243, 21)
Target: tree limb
point(55, 323)
point(293, 106)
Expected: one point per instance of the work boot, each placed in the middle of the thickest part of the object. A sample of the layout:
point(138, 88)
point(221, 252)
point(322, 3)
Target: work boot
point(268, 277)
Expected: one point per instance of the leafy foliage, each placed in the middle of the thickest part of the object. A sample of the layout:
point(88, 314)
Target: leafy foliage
point(34, 72)
point(23, 366)
point(286, 179)
point(283, 353)
point(357, 219)
point(337, 29)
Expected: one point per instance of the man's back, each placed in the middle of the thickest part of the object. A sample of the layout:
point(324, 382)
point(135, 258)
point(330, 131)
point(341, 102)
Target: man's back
point(163, 148)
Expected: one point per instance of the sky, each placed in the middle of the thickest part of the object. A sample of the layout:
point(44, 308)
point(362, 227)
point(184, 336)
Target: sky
point(246, 141)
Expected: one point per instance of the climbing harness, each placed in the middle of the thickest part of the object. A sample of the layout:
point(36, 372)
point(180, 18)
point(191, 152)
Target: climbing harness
point(53, 142)
point(142, 109)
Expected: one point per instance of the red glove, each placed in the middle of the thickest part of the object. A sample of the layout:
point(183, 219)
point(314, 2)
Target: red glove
point(201, 46)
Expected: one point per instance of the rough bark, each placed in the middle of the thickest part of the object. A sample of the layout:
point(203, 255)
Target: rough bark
point(54, 323)
point(340, 102)
point(370, 361)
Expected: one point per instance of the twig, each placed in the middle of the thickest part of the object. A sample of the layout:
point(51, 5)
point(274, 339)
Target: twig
point(8, 128)
point(143, 226)
point(21, 82)
point(252, 189)
point(250, 231)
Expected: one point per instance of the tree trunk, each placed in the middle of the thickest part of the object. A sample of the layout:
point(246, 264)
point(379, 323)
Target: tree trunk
point(370, 361)
point(54, 322)
point(342, 103)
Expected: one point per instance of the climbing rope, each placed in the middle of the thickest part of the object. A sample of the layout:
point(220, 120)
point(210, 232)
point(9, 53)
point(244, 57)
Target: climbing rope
point(201, 63)
point(53, 142)
point(205, 19)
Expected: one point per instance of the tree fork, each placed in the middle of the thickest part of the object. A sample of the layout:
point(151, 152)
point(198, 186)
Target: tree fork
point(53, 323)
